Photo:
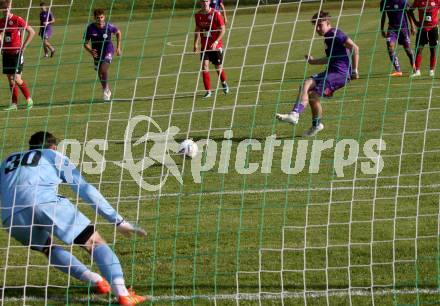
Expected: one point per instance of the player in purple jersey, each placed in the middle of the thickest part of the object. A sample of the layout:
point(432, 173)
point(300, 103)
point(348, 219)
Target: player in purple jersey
point(219, 6)
point(342, 58)
point(98, 42)
point(46, 20)
point(398, 31)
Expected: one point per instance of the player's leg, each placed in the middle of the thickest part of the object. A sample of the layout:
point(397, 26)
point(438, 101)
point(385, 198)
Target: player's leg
point(316, 108)
point(110, 267)
point(421, 40)
point(391, 44)
point(217, 60)
point(41, 34)
point(302, 100)
point(66, 262)
point(14, 90)
point(48, 47)
point(31, 230)
point(18, 81)
point(205, 74)
point(63, 220)
point(103, 78)
point(72, 227)
point(405, 41)
point(433, 39)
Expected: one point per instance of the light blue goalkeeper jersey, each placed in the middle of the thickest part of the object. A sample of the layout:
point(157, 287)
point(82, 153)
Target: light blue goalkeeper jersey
point(32, 177)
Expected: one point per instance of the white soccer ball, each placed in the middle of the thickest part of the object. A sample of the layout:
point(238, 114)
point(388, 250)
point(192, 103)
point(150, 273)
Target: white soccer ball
point(189, 148)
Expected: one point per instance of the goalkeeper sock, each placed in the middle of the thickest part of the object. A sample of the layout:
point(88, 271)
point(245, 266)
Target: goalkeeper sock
point(66, 262)
point(89, 276)
point(110, 268)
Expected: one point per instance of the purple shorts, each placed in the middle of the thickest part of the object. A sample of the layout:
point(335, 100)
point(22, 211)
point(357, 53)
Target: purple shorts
point(103, 58)
point(45, 33)
point(328, 82)
point(401, 36)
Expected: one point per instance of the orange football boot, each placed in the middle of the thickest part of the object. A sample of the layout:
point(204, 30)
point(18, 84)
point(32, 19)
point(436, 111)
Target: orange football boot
point(102, 287)
point(131, 299)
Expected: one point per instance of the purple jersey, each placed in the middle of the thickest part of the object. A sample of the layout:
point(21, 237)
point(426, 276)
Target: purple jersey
point(215, 4)
point(339, 55)
point(396, 12)
point(101, 38)
point(46, 16)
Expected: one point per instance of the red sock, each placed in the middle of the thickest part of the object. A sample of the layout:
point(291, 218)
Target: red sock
point(222, 75)
point(207, 80)
point(24, 90)
point(418, 61)
point(14, 90)
point(432, 59)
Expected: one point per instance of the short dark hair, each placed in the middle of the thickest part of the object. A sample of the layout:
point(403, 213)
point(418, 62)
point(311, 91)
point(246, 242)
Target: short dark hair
point(42, 3)
point(98, 12)
point(321, 16)
point(42, 140)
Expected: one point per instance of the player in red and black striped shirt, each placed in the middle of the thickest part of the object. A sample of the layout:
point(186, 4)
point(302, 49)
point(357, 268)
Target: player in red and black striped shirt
point(11, 29)
point(428, 31)
point(210, 28)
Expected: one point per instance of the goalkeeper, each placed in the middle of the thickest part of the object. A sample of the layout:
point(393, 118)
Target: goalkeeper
point(32, 211)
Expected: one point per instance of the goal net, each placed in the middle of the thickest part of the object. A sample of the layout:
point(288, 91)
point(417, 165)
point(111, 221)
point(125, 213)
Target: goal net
point(261, 215)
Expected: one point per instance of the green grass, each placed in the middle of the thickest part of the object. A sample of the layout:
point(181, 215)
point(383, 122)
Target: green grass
point(201, 235)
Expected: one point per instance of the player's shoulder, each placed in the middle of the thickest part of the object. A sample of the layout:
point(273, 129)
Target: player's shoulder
point(9, 156)
point(52, 155)
point(111, 25)
point(17, 18)
point(217, 15)
point(91, 26)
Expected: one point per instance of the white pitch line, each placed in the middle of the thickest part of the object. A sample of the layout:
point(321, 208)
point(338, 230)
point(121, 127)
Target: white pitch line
point(273, 190)
point(247, 296)
point(173, 43)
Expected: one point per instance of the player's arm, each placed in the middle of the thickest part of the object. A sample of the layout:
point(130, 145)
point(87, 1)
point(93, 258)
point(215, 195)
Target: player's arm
point(51, 20)
point(196, 39)
point(30, 35)
point(382, 24)
point(412, 17)
point(222, 33)
point(69, 174)
point(88, 46)
point(224, 12)
point(354, 50)
point(316, 61)
point(118, 42)
point(411, 22)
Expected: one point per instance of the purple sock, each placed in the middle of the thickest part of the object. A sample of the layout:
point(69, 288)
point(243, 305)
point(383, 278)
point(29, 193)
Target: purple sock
point(298, 107)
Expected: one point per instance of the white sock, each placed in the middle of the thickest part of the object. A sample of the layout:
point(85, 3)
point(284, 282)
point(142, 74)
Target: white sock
point(89, 276)
point(118, 287)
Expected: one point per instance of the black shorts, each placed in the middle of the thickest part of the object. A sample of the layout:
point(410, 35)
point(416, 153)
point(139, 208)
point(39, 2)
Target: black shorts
point(12, 63)
point(215, 57)
point(425, 37)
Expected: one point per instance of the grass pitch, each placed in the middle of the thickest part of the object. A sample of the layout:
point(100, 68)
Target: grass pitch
point(319, 238)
